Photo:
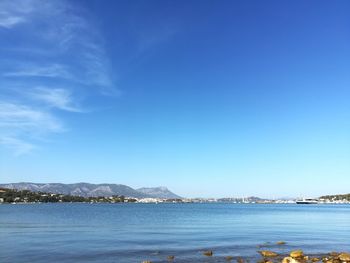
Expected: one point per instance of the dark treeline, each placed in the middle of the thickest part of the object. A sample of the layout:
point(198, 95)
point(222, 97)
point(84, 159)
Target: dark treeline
point(26, 196)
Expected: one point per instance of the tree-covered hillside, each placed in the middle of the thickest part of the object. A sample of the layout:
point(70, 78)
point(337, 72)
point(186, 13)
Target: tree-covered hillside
point(336, 197)
point(26, 196)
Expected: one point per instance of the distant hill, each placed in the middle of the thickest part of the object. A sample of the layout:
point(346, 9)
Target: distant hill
point(336, 197)
point(90, 190)
point(160, 192)
point(25, 196)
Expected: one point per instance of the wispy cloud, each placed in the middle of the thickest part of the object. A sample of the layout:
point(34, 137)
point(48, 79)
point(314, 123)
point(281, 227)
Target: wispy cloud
point(17, 118)
point(13, 13)
point(54, 97)
point(20, 124)
point(32, 70)
point(18, 146)
point(64, 55)
point(10, 21)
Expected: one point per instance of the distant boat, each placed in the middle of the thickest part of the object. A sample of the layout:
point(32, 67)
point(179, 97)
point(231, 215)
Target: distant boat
point(307, 201)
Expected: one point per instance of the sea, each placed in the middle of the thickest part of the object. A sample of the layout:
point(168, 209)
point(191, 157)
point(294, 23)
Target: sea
point(128, 233)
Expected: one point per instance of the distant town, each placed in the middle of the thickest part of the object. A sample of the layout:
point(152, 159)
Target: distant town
point(13, 196)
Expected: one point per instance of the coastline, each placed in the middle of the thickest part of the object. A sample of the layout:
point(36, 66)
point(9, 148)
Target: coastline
point(266, 256)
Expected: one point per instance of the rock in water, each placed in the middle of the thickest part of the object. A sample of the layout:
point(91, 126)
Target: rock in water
point(297, 254)
point(268, 254)
point(208, 253)
point(280, 243)
point(334, 254)
point(171, 258)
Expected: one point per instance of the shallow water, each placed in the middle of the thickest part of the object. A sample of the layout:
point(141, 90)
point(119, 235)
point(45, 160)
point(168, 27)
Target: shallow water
point(136, 232)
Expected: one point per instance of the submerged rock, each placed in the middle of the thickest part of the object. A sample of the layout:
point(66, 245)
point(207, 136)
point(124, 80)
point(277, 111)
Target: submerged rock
point(208, 253)
point(268, 254)
point(297, 254)
point(229, 258)
point(280, 243)
point(171, 258)
point(240, 260)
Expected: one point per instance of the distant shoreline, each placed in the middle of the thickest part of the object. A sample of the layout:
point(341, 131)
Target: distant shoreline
point(15, 196)
point(171, 203)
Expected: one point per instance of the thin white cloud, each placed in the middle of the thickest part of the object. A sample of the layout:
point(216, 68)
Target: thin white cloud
point(75, 47)
point(10, 21)
point(54, 97)
point(32, 70)
point(18, 146)
point(16, 119)
point(13, 13)
point(59, 53)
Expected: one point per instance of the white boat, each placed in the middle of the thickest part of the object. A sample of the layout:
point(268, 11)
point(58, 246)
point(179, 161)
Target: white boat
point(307, 201)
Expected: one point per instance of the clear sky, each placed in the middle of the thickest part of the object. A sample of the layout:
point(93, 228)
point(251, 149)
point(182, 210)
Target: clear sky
point(208, 98)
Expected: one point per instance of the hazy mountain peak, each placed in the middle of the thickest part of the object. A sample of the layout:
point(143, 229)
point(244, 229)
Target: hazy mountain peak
point(87, 189)
point(160, 191)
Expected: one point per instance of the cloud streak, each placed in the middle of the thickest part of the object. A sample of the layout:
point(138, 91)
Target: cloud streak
point(20, 124)
point(54, 98)
point(10, 21)
point(49, 71)
point(22, 118)
point(18, 146)
point(65, 61)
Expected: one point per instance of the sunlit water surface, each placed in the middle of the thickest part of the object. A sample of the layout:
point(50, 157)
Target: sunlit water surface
point(136, 232)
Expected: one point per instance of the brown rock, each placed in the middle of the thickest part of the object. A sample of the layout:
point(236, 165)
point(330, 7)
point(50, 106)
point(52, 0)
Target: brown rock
point(208, 253)
point(229, 258)
point(171, 258)
point(315, 259)
point(344, 257)
point(334, 254)
point(280, 243)
point(240, 260)
point(268, 254)
point(297, 254)
point(147, 261)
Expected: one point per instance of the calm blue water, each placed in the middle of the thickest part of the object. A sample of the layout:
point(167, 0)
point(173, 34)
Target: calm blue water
point(137, 232)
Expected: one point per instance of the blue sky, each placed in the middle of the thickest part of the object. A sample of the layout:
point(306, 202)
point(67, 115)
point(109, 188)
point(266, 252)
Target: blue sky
point(209, 98)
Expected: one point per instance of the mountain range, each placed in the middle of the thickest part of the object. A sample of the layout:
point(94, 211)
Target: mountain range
point(93, 190)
